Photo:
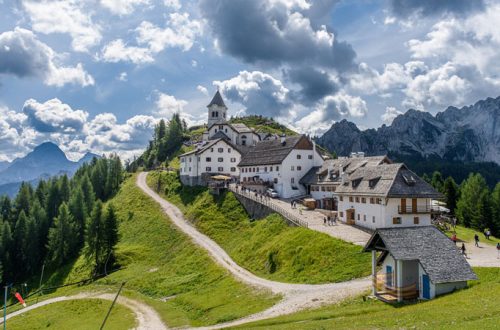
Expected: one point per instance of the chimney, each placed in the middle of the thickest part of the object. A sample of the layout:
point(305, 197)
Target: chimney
point(283, 139)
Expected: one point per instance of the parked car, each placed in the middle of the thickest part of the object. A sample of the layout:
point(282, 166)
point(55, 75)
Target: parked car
point(272, 193)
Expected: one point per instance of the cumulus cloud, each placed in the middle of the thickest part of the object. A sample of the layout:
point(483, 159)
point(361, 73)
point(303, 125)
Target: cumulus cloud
point(123, 7)
point(315, 84)
point(64, 16)
point(259, 92)
point(167, 105)
point(331, 109)
point(180, 32)
point(117, 51)
point(203, 90)
point(389, 114)
point(23, 55)
point(275, 32)
point(54, 116)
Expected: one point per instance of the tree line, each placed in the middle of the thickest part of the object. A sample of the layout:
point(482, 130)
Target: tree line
point(472, 202)
point(167, 141)
point(58, 219)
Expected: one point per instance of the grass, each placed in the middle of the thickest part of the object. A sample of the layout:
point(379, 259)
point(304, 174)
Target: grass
point(467, 235)
point(75, 315)
point(164, 269)
point(268, 248)
point(473, 308)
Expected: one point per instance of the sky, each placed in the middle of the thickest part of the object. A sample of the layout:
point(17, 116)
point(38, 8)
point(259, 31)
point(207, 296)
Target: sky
point(96, 75)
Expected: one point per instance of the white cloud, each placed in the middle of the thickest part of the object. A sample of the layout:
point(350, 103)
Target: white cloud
point(54, 116)
point(173, 4)
point(180, 32)
point(203, 90)
point(23, 55)
point(64, 16)
point(389, 114)
point(167, 105)
point(123, 7)
point(117, 51)
point(123, 76)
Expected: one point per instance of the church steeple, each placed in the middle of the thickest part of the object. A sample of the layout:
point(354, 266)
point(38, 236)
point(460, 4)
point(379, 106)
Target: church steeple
point(217, 110)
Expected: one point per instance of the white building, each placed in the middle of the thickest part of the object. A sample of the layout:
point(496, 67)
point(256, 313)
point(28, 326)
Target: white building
point(387, 195)
point(279, 164)
point(321, 182)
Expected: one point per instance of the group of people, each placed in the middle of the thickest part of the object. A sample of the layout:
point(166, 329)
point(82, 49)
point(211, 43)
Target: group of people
point(329, 221)
point(476, 243)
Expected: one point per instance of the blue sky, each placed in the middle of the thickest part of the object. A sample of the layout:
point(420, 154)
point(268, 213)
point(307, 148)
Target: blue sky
point(97, 74)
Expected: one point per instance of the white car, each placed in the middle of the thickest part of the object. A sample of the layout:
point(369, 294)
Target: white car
point(271, 193)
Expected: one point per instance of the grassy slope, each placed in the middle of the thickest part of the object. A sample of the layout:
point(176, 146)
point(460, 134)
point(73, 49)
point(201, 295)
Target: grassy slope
point(263, 125)
point(473, 308)
point(75, 315)
point(300, 255)
point(161, 263)
point(467, 235)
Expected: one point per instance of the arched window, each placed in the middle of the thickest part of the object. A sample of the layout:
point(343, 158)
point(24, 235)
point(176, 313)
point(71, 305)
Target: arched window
point(243, 140)
point(216, 113)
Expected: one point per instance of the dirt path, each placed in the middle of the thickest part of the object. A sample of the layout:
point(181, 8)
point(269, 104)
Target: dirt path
point(146, 316)
point(483, 256)
point(296, 297)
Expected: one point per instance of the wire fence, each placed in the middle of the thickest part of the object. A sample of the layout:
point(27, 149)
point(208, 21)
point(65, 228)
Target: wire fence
point(269, 202)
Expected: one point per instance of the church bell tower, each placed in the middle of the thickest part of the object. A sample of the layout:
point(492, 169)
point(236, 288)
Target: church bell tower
point(217, 110)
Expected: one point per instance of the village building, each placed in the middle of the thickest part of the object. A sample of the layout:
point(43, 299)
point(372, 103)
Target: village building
point(321, 182)
point(416, 262)
point(279, 164)
point(386, 195)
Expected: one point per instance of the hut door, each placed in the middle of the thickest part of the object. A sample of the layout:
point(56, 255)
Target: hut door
point(426, 287)
point(414, 205)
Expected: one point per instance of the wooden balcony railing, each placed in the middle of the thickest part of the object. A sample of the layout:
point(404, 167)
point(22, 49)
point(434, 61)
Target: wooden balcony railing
point(414, 210)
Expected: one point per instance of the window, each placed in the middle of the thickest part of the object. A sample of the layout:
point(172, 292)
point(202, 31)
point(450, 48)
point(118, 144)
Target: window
point(293, 168)
point(225, 130)
point(220, 159)
point(363, 200)
point(379, 200)
point(233, 169)
point(199, 158)
point(416, 220)
point(364, 217)
point(265, 168)
point(190, 160)
point(299, 156)
point(299, 168)
point(220, 149)
point(216, 130)
point(358, 217)
point(310, 157)
point(275, 180)
point(221, 127)
point(208, 159)
point(233, 160)
point(229, 150)
point(372, 200)
point(341, 214)
point(277, 168)
point(341, 198)
point(351, 199)
point(211, 149)
point(396, 221)
point(183, 160)
point(357, 199)
point(292, 180)
point(220, 169)
point(190, 169)
point(328, 188)
point(270, 168)
point(373, 219)
point(208, 169)
point(323, 188)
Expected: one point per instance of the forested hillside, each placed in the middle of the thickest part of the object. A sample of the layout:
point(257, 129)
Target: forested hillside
point(58, 219)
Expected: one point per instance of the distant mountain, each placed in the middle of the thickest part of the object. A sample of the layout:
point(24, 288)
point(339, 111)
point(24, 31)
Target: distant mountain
point(470, 134)
point(44, 161)
point(88, 158)
point(4, 165)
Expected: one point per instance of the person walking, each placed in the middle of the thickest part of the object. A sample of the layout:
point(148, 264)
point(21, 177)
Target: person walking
point(476, 240)
point(488, 234)
point(454, 238)
point(324, 221)
point(498, 250)
point(463, 250)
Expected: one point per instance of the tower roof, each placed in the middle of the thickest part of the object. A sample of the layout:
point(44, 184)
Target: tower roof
point(217, 100)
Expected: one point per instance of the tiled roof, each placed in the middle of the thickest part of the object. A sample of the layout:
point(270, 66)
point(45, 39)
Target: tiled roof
point(241, 128)
point(437, 254)
point(270, 152)
point(217, 100)
point(323, 174)
point(387, 180)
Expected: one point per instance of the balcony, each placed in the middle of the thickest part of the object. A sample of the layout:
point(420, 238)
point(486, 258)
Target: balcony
point(419, 209)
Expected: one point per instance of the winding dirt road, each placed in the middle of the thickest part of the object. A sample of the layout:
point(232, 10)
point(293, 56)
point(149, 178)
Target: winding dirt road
point(296, 297)
point(146, 316)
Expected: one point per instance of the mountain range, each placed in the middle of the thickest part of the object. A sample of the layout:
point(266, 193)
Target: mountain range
point(468, 134)
point(44, 161)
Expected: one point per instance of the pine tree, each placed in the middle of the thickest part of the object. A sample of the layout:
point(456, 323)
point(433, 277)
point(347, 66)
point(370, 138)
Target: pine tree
point(20, 236)
point(468, 209)
point(6, 249)
point(88, 193)
point(78, 211)
point(94, 236)
point(23, 199)
point(5, 208)
point(62, 238)
point(53, 200)
point(495, 210)
point(437, 181)
point(451, 191)
point(32, 247)
point(110, 233)
point(41, 220)
point(64, 189)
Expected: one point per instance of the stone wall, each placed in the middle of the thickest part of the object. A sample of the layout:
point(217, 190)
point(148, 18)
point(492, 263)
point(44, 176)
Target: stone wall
point(257, 210)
